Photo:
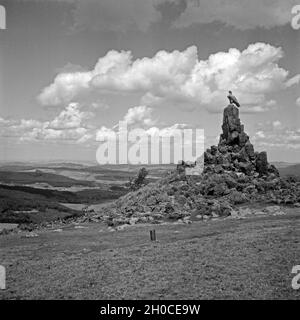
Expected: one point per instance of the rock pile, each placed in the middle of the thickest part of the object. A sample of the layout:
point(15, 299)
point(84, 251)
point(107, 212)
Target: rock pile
point(235, 152)
point(138, 181)
point(233, 174)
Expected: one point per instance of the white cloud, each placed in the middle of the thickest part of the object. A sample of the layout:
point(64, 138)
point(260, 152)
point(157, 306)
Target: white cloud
point(293, 81)
point(71, 117)
point(180, 78)
point(64, 88)
point(276, 135)
point(298, 102)
point(46, 133)
point(112, 133)
point(4, 122)
point(105, 133)
point(277, 124)
point(260, 134)
point(68, 125)
point(71, 125)
point(140, 116)
point(135, 117)
point(99, 105)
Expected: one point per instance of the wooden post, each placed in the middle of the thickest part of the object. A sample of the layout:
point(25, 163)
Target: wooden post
point(2, 278)
point(152, 235)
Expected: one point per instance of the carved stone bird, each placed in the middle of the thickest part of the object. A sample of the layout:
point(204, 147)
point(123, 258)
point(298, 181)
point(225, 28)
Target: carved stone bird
point(233, 99)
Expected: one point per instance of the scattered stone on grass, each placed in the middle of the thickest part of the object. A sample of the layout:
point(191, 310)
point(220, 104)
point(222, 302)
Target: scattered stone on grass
point(30, 235)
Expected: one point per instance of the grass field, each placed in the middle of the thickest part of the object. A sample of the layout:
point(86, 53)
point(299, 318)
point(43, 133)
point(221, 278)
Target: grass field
point(226, 259)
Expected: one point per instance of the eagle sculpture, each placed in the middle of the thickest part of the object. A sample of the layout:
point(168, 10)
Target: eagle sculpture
point(233, 99)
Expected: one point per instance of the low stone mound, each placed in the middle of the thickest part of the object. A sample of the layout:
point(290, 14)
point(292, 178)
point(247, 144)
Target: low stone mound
point(233, 174)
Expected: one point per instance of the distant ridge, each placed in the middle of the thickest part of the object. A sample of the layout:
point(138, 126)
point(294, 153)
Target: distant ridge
point(292, 170)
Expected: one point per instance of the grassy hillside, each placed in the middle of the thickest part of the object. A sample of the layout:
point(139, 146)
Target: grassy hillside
point(226, 259)
point(83, 196)
point(46, 202)
point(22, 207)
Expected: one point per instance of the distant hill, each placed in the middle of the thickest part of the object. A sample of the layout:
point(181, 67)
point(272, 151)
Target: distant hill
point(292, 170)
point(282, 164)
point(37, 176)
point(31, 166)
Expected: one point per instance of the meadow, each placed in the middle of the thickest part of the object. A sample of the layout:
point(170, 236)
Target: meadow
point(225, 259)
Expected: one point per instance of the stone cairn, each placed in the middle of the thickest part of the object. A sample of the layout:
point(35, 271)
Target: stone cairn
point(235, 151)
point(233, 175)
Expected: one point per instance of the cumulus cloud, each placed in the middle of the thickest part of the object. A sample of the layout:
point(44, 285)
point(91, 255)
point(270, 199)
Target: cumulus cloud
point(72, 125)
point(4, 122)
point(293, 81)
point(276, 135)
point(46, 133)
point(99, 105)
point(135, 117)
point(64, 88)
point(70, 118)
point(107, 133)
point(68, 125)
point(139, 116)
point(180, 78)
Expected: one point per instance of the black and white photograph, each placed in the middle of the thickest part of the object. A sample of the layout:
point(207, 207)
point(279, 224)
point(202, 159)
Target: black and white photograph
point(149, 151)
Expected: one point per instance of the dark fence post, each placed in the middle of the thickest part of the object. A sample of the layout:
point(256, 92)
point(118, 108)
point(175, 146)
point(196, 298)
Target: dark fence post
point(152, 235)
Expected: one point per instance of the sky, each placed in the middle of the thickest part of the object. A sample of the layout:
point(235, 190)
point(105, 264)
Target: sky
point(70, 70)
